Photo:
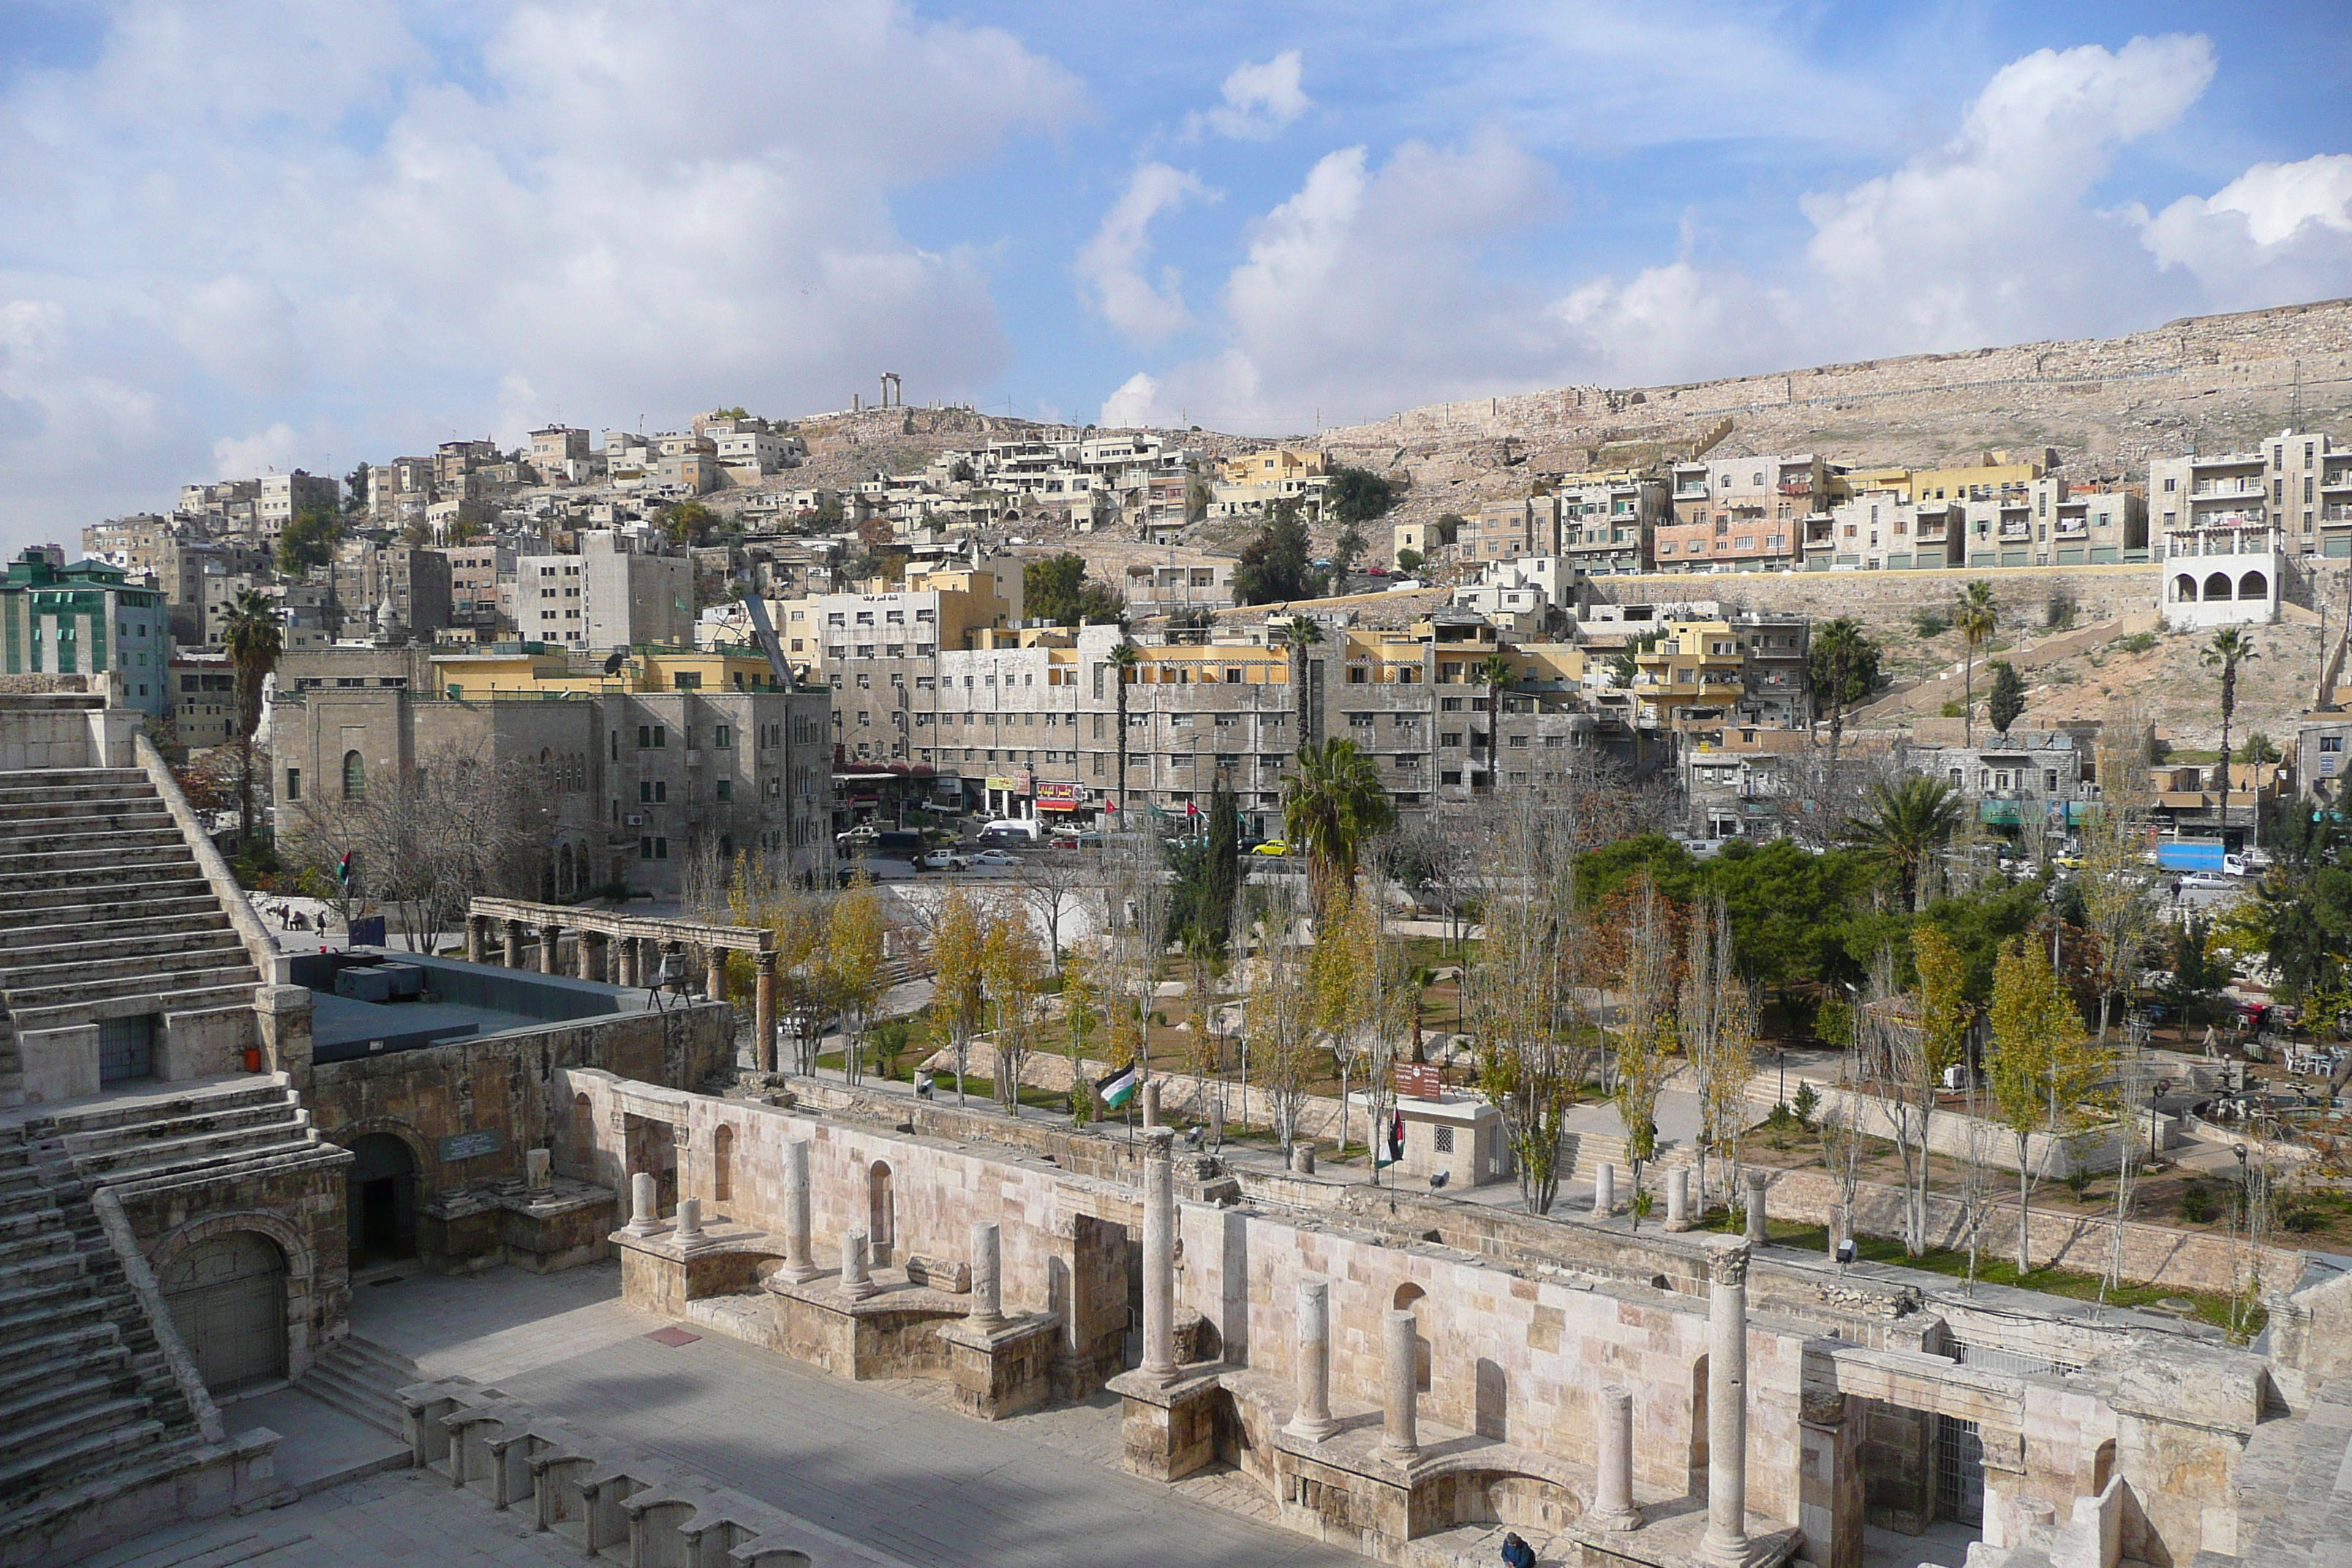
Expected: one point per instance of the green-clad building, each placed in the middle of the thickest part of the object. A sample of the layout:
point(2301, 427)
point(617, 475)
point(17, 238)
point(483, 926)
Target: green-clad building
point(84, 620)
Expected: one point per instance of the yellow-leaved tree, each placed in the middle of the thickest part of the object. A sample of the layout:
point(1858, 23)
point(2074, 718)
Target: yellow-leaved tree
point(853, 981)
point(2040, 1069)
point(957, 943)
point(1012, 962)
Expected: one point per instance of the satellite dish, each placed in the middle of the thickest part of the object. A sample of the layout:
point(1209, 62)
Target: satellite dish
point(615, 662)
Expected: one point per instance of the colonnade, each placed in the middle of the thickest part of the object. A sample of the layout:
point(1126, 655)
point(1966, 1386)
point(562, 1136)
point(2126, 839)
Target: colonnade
point(624, 960)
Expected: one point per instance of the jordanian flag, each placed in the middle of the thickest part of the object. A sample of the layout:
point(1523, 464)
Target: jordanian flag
point(1390, 1150)
point(1119, 1087)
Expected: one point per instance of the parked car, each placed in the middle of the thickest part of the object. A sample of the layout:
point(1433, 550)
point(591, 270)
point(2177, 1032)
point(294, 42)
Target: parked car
point(2207, 879)
point(943, 860)
point(994, 859)
point(1272, 847)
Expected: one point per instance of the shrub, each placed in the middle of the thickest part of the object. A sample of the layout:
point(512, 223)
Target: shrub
point(2139, 642)
point(1952, 710)
point(1929, 624)
point(2196, 1203)
point(1808, 1101)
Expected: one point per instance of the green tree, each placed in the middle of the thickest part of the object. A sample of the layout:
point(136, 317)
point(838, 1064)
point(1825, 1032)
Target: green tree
point(1357, 495)
point(2230, 646)
point(1978, 618)
point(1275, 566)
point(1408, 560)
point(1494, 672)
point(1055, 588)
point(1905, 825)
point(355, 489)
point(1347, 550)
point(254, 645)
point(2039, 1067)
point(1842, 666)
point(1332, 805)
point(1302, 634)
point(308, 540)
point(1444, 528)
point(2008, 698)
point(688, 522)
point(2259, 748)
point(1123, 659)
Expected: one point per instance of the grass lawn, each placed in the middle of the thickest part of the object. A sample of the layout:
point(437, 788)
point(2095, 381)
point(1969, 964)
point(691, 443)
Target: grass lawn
point(1992, 1269)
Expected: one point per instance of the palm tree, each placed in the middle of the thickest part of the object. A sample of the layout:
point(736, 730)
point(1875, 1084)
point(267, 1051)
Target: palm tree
point(1906, 825)
point(1842, 647)
point(2230, 648)
point(1494, 672)
point(1122, 671)
point(254, 645)
point(1332, 804)
point(1301, 635)
point(1977, 618)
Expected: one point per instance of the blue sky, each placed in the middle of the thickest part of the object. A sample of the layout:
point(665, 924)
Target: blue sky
point(252, 235)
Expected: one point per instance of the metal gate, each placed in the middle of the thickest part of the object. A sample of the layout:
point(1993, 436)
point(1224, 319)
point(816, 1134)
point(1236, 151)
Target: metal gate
point(126, 1049)
point(227, 1297)
point(1959, 1471)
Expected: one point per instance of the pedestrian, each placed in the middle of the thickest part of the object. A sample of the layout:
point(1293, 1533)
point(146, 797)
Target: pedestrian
point(2176, 890)
point(1517, 1553)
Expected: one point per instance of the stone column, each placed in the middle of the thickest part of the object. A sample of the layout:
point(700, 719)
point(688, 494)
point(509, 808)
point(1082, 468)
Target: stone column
point(1678, 1198)
point(714, 974)
point(538, 1170)
point(690, 1220)
point(645, 1204)
point(764, 1013)
point(281, 1014)
point(800, 1262)
point(550, 949)
point(1150, 1103)
point(624, 961)
point(1613, 1495)
point(855, 1283)
point(1160, 1258)
point(583, 947)
point(513, 932)
point(1837, 1228)
point(987, 1278)
point(1312, 1364)
point(1757, 1182)
point(1400, 1436)
point(1302, 1158)
point(1605, 1191)
point(1725, 1544)
point(478, 938)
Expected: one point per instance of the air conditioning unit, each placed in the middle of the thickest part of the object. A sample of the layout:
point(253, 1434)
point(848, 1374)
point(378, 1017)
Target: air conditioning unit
point(636, 822)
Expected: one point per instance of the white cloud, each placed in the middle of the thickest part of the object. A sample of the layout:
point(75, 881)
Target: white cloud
point(1110, 264)
point(1365, 285)
point(274, 449)
point(2279, 231)
point(1132, 404)
point(1260, 100)
point(264, 213)
point(1988, 238)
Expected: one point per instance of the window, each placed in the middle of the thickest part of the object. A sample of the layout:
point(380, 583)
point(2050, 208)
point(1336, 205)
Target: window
point(354, 777)
point(653, 792)
point(2331, 743)
point(1443, 1138)
point(652, 848)
point(725, 789)
point(722, 736)
point(293, 784)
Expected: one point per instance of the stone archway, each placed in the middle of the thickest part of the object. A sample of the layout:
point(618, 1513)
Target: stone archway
point(2184, 589)
point(2254, 585)
point(379, 1203)
point(2218, 588)
point(1414, 1299)
point(226, 1295)
point(296, 1272)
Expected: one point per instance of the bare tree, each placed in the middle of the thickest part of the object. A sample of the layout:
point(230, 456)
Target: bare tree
point(1279, 1017)
point(1646, 1028)
point(1718, 1028)
point(1052, 885)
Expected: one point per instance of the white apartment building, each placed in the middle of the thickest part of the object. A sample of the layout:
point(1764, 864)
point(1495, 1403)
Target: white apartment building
point(2297, 481)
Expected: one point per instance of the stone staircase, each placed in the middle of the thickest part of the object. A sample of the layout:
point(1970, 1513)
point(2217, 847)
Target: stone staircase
point(362, 1379)
point(163, 1135)
point(104, 912)
point(86, 1391)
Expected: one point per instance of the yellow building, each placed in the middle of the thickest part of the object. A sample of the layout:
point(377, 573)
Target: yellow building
point(472, 677)
point(1977, 481)
point(1274, 465)
point(1693, 665)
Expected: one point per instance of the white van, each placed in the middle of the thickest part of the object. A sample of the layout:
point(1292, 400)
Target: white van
point(1012, 830)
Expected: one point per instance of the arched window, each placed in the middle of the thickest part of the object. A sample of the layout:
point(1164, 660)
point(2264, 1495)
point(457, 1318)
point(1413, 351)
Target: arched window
point(2254, 585)
point(722, 1165)
point(2184, 589)
point(355, 775)
point(2217, 587)
point(1409, 1298)
point(880, 1213)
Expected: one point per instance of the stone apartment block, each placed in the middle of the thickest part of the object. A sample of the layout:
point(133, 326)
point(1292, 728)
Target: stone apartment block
point(2032, 781)
point(203, 700)
point(1741, 514)
point(623, 590)
point(2297, 481)
point(673, 755)
point(284, 497)
point(400, 492)
point(1160, 590)
point(412, 581)
point(476, 571)
point(1607, 523)
point(878, 651)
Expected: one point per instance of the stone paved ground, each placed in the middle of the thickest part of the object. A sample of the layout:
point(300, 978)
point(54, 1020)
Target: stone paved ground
point(888, 1465)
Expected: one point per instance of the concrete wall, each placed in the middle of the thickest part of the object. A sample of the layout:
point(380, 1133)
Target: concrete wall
point(42, 731)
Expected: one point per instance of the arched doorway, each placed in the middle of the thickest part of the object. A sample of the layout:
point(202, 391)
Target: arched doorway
point(880, 1213)
point(1409, 1298)
point(380, 1200)
point(228, 1298)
